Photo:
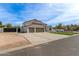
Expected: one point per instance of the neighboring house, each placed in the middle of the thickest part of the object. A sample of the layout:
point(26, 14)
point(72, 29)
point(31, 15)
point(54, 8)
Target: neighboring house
point(59, 30)
point(34, 26)
point(53, 30)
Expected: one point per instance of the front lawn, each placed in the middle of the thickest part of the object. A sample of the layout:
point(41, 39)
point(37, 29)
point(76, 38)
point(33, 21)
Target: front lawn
point(65, 33)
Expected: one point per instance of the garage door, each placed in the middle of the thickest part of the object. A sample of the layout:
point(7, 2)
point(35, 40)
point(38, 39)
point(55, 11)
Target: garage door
point(39, 29)
point(31, 29)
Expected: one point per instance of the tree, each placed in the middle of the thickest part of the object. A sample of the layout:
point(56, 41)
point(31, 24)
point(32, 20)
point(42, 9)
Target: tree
point(1, 25)
point(71, 27)
point(9, 25)
point(17, 26)
point(50, 27)
point(59, 26)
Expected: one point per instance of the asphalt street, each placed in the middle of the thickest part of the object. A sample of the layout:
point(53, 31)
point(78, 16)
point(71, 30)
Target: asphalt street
point(63, 47)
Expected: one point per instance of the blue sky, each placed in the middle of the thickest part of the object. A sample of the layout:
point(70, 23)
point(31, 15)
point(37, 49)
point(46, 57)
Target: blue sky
point(49, 13)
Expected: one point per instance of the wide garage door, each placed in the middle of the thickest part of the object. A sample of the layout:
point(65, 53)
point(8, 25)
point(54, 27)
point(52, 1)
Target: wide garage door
point(39, 29)
point(31, 29)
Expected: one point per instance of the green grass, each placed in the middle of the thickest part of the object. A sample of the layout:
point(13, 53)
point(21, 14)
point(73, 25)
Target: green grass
point(65, 33)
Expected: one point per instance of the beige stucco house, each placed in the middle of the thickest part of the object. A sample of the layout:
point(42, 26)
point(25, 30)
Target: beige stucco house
point(34, 25)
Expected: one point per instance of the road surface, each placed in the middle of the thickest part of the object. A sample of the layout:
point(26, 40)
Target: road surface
point(63, 47)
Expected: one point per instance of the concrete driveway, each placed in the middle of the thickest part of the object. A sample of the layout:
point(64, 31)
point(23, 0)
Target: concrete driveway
point(43, 37)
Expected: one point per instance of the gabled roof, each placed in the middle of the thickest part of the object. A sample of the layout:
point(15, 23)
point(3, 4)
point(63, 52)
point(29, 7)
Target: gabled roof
point(34, 20)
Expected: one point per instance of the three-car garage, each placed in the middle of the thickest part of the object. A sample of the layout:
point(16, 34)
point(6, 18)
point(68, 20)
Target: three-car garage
point(31, 29)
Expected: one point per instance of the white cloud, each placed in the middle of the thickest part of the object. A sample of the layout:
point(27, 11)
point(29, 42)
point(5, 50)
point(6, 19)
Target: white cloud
point(71, 14)
point(75, 7)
